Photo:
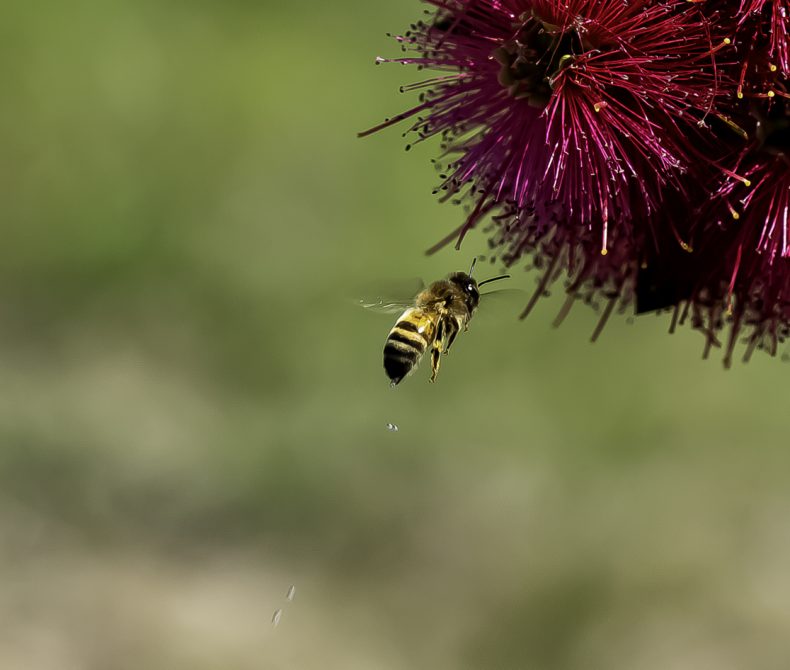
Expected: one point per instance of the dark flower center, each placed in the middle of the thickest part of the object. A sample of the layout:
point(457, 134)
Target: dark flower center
point(530, 60)
point(773, 131)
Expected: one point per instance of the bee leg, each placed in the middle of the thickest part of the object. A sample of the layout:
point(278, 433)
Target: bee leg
point(436, 359)
point(436, 349)
point(453, 327)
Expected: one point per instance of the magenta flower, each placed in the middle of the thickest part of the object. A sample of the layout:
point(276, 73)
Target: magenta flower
point(768, 21)
point(619, 143)
point(743, 232)
point(570, 107)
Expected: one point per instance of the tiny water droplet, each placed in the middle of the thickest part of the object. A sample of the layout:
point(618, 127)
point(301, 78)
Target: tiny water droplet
point(276, 618)
point(291, 593)
point(392, 428)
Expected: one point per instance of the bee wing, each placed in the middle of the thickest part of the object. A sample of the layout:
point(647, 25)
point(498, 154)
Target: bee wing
point(390, 307)
point(504, 302)
point(392, 298)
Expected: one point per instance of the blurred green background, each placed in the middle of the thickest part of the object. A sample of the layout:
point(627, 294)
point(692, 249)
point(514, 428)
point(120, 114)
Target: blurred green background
point(193, 413)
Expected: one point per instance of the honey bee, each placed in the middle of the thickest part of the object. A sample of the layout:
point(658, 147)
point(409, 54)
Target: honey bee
point(438, 314)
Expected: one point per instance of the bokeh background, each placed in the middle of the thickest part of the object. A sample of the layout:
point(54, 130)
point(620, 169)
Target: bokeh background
point(193, 412)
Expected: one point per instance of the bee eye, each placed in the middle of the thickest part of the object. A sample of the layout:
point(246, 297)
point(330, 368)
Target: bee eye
point(470, 287)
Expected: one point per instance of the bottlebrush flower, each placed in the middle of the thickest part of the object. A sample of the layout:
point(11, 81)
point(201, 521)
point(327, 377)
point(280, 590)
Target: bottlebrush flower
point(578, 104)
point(743, 228)
point(607, 139)
point(769, 20)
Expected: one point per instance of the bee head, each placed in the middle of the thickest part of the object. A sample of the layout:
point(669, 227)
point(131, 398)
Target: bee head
point(469, 288)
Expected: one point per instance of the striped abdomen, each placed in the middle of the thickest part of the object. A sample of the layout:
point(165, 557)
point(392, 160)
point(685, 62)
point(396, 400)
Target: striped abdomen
point(407, 341)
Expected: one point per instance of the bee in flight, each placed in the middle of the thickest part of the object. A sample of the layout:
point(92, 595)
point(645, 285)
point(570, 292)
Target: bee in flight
point(438, 314)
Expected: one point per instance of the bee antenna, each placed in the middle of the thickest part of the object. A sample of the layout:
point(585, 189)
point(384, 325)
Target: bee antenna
point(474, 260)
point(488, 281)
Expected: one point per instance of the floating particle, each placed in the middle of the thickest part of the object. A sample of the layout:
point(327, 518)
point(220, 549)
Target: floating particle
point(392, 428)
point(276, 618)
point(291, 593)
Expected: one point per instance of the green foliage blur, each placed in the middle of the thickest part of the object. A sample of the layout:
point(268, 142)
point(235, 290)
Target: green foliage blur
point(194, 414)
